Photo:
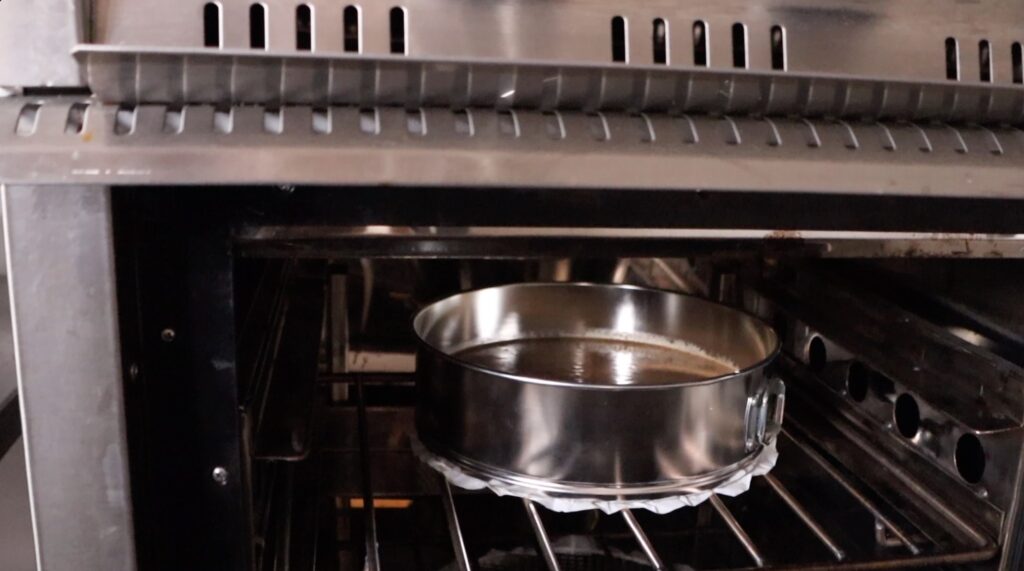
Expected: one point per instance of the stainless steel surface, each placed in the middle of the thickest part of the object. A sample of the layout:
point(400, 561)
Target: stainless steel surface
point(533, 513)
point(335, 146)
point(835, 38)
point(127, 75)
point(805, 517)
point(641, 538)
point(60, 263)
point(592, 390)
point(454, 528)
point(36, 40)
point(737, 530)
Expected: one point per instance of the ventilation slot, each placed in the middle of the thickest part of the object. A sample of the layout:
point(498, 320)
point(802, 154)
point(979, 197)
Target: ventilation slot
point(369, 121)
point(398, 31)
point(660, 41)
point(273, 121)
point(174, 120)
point(985, 61)
point(969, 457)
point(907, 416)
point(647, 134)
point(778, 38)
point(258, 26)
point(124, 120)
point(304, 28)
point(700, 43)
point(1017, 57)
point(739, 45)
point(350, 21)
point(554, 126)
point(857, 382)
point(817, 354)
point(464, 123)
point(416, 122)
point(599, 127)
point(322, 121)
point(224, 120)
point(76, 118)
point(508, 124)
point(620, 53)
point(211, 25)
point(27, 119)
point(689, 130)
point(952, 59)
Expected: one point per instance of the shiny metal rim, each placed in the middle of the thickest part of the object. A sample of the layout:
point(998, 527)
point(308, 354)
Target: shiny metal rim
point(648, 490)
point(417, 329)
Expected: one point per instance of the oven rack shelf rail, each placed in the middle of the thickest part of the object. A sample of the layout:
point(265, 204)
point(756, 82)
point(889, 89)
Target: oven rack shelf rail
point(916, 550)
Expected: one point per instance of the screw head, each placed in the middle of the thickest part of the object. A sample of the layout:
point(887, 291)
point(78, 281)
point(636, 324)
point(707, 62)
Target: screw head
point(133, 371)
point(167, 335)
point(220, 475)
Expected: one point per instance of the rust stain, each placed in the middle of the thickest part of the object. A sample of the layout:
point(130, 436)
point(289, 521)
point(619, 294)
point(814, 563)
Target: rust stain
point(784, 235)
point(86, 137)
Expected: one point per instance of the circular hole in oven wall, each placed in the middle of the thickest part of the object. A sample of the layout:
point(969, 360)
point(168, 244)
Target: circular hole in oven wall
point(857, 381)
point(907, 415)
point(970, 458)
point(817, 353)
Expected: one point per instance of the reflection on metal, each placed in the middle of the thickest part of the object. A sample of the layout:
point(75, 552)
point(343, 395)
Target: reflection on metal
point(641, 538)
point(542, 535)
point(805, 517)
point(454, 529)
point(737, 530)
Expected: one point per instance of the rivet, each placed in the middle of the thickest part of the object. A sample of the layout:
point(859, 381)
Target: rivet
point(167, 335)
point(220, 475)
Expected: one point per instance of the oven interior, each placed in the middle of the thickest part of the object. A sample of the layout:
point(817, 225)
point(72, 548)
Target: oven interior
point(901, 443)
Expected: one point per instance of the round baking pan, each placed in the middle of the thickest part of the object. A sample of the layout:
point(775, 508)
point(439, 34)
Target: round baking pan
point(595, 390)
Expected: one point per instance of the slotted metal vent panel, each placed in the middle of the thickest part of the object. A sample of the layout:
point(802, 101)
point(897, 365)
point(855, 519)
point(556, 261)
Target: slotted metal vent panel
point(901, 40)
point(241, 77)
point(921, 60)
point(65, 141)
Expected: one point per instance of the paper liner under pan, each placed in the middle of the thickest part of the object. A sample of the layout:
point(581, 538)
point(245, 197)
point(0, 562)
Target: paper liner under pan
point(733, 485)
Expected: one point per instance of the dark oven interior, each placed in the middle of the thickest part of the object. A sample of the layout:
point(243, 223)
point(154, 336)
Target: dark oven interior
point(269, 378)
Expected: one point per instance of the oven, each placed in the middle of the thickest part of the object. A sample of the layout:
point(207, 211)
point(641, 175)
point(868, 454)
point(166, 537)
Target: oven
point(222, 218)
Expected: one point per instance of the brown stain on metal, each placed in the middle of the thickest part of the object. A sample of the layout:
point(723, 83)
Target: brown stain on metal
point(86, 137)
point(784, 235)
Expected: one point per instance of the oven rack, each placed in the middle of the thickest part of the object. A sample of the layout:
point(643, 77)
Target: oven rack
point(909, 544)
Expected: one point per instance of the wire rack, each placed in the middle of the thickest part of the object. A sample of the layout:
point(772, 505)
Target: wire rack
point(831, 520)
